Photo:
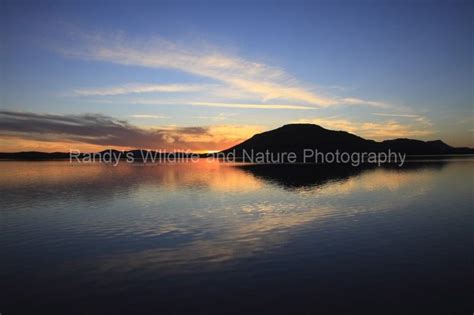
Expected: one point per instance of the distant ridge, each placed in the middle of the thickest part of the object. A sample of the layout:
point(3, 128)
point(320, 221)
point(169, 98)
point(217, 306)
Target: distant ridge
point(296, 138)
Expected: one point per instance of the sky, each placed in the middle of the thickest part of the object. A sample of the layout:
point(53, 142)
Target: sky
point(203, 76)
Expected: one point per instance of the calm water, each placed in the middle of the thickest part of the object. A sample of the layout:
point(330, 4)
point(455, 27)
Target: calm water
point(221, 238)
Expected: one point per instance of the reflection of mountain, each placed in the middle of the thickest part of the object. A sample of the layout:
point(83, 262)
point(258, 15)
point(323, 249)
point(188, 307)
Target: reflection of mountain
point(300, 175)
point(298, 137)
point(249, 215)
point(48, 182)
point(310, 175)
point(53, 181)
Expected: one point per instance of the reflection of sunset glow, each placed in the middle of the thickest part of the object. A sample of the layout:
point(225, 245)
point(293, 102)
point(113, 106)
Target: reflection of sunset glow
point(244, 213)
point(378, 180)
point(248, 219)
point(213, 175)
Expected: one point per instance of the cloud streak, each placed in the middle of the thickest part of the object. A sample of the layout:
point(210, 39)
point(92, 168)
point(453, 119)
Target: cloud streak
point(263, 81)
point(358, 101)
point(390, 129)
point(418, 118)
point(220, 104)
point(236, 77)
point(141, 88)
point(147, 116)
point(103, 130)
point(253, 106)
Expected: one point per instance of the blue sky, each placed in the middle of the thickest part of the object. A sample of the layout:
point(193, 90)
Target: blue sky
point(380, 69)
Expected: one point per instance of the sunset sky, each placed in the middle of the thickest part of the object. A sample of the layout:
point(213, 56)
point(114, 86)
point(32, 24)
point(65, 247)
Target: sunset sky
point(204, 76)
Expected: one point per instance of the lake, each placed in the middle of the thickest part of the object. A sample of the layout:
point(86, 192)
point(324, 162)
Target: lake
point(224, 238)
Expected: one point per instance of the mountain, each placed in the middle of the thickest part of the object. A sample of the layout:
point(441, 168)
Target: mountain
point(298, 137)
point(292, 138)
point(138, 155)
point(34, 155)
point(418, 147)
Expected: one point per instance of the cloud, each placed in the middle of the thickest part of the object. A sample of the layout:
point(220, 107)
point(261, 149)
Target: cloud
point(255, 106)
point(140, 88)
point(263, 81)
point(376, 104)
point(396, 115)
point(228, 134)
point(372, 130)
point(96, 129)
point(236, 77)
point(218, 117)
point(358, 101)
point(466, 120)
point(146, 116)
point(180, 102)
point(418, 118)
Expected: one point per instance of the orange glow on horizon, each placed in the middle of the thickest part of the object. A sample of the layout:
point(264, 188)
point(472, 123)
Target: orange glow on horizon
point(215, 138)
point(14, 144)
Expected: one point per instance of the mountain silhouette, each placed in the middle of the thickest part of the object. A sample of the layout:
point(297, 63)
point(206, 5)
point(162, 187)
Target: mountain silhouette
point(298, 137)
point(293, 138)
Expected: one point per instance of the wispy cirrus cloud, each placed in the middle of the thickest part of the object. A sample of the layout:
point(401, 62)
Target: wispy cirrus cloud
point(235, 77)
point(181, 102)
point(358, 101)
point(254, 106)
point(396, 115)
point(384, 130)
point(132, 88)
point(417, 118)
point(148, 116)
point(261, 80)
point(218, 117)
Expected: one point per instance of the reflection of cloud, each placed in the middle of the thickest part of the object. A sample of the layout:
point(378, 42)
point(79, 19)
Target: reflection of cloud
point(264, 224)
point(373, 130)
point(50, 181)
point(204, 174)
point(239, 240)
point(103, 130)
point(379, 180)
point(203, 214)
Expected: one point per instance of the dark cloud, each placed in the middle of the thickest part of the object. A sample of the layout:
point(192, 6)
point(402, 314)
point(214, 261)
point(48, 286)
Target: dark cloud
point(93, 129)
